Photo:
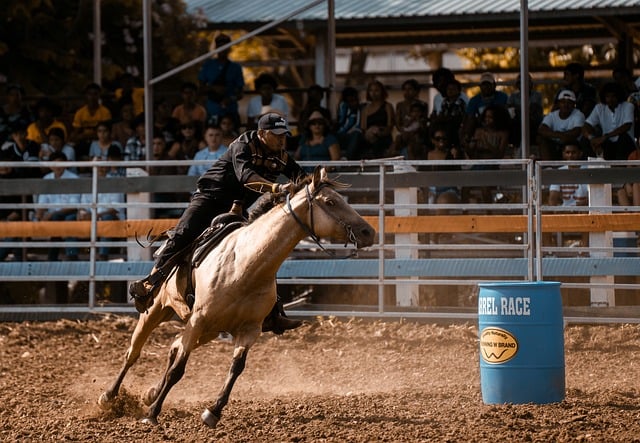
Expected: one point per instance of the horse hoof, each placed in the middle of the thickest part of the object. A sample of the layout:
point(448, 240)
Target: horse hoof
point(149, 421)
point(209, 419)
point(150, 396)
point(104, 401)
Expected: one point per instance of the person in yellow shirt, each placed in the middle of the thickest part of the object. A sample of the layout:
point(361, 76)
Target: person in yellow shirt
point(46, 111)
point(128, 92)
point(86, 119)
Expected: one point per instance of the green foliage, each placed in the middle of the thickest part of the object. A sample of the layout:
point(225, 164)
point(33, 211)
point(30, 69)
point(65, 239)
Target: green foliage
point(47, 46)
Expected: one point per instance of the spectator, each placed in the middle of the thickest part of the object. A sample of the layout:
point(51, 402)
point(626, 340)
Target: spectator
point(189, 109)
point(213, 150)
point(129, 94)
point(86, 119)
point(441, 78)
point(634, 99)
point(187, 143)
point(613, 119)
point(560, 126)
point(57, 143)
point(22, 149)
point(410, 93)
point(161, 152)
point(266, 101)
point(451, 110)
point(488, 95)
point(570, 194)
point(514, 105)
point(348, 120)
point(222, 81)
point(444, 150)
point(68, 213)
point(136, 148)
point(107, 204)
point(13, 110)
point(46, 112)
point(586, 94)
point(121, 130)
point(9, 214)
point(410, 141)
point(229, 129)
point(99, 149)
point(629, 193)
point(315, 95)
point(489, 141)
point(164, 122)
point(377, 123)
point(317, 143)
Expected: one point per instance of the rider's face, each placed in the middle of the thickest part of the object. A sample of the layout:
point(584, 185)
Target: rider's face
point(274, 142)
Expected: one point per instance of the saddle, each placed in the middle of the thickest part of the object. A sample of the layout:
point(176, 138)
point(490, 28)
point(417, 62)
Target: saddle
point(220, 227)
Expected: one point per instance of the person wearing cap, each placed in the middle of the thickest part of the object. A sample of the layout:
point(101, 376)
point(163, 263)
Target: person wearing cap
point(488, 95)
point(255, 156)
point(317, 143)
point(221, 80)
point(586, 93)
point(559, 127)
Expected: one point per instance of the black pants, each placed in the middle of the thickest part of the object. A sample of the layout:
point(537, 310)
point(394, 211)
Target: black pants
point(195, 219)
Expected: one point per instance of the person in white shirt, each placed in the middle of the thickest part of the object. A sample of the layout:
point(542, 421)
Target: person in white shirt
point(266, 101)
point(212, 151)
point(614, 119)
point(560, 127)
point(569, 194)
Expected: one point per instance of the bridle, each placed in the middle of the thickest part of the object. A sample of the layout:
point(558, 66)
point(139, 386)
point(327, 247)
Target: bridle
point(310, 230)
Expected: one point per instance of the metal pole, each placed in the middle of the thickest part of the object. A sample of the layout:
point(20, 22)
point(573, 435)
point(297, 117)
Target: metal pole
point(148, 88)
point(97, 43)
point(524, 77)
point(330, 58)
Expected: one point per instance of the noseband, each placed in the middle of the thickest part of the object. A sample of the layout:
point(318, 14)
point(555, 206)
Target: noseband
point(310, 230)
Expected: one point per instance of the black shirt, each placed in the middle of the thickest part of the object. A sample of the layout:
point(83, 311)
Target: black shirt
point(246, 160)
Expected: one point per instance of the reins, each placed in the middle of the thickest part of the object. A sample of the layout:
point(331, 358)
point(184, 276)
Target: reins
point(310, 230)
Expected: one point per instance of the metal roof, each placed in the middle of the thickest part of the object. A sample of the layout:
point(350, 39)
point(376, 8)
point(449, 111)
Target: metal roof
point(245, 11)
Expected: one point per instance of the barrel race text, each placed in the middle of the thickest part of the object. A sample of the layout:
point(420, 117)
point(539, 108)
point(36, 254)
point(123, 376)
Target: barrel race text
point(516, 306)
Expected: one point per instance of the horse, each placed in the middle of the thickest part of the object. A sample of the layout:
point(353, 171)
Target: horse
point(235, 286)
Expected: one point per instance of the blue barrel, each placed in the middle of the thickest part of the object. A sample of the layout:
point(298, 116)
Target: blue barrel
point(521, 342)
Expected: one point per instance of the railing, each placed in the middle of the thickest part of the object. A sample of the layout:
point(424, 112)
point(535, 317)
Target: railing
point(487, 241)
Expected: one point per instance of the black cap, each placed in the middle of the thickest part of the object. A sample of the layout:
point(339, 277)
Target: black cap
point(275, 123)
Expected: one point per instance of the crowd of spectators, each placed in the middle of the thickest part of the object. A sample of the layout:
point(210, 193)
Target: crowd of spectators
point(206, 118)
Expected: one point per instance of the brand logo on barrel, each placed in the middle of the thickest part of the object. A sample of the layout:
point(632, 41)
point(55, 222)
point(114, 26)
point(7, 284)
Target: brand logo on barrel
point(497, 345)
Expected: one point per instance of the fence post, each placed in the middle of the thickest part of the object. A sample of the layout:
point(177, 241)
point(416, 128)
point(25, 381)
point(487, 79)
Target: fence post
point(406, 294)
point(600, 195)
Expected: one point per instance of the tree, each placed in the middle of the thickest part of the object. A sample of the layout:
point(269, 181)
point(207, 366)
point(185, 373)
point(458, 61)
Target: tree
point(47, 45)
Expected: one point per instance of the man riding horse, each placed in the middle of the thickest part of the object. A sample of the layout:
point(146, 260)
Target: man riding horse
point(255, 156)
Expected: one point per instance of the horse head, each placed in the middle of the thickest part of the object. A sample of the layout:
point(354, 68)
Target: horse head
point(330, 216)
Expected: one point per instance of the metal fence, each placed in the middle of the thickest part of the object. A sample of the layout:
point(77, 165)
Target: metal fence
point(424, 244)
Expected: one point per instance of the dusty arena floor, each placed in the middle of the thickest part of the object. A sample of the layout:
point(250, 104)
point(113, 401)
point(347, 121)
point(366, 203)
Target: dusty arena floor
point(329, 381)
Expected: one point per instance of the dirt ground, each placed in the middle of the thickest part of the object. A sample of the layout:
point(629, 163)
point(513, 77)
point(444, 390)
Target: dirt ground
point(329, 381)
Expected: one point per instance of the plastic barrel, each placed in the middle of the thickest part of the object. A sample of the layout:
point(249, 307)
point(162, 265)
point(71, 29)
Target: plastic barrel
point(521, 342)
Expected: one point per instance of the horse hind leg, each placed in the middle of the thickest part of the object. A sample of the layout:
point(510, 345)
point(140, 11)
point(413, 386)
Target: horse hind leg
point(211, 416)
point(179, 354)
point(146, 324)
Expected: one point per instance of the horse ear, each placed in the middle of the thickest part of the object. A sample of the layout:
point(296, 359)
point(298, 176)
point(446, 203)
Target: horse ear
point(319, 174)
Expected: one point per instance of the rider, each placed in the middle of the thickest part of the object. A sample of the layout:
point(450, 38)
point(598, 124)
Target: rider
point(255, 156)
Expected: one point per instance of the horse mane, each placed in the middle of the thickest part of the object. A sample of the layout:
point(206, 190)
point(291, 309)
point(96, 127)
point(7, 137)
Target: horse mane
point(269, 200)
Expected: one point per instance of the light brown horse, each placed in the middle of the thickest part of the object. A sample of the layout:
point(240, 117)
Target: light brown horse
point(236, 286)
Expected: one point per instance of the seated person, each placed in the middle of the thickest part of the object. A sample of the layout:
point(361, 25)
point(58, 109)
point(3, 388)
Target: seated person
point(560, 127)
point(67, 213)
point(86, 119)
point(411, 139)
point(629, 193)
point(348, 120)
point(99, 148)
point(487, 96)
point(377, 123)
point(317, 143)
point(451, 110)
point(213, 150)
point(266, 100)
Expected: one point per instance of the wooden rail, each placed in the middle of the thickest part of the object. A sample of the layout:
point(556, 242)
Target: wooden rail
point(393, 225)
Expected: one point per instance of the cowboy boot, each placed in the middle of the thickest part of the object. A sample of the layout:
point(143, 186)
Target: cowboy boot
point(278, 322)
point(143, 291)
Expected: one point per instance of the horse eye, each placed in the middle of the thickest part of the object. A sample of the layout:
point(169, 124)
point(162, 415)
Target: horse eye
point(330, 202)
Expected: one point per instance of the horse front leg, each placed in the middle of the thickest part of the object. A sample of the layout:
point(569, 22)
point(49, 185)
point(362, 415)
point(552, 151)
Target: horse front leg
point(146, 324)
point(211, 416)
